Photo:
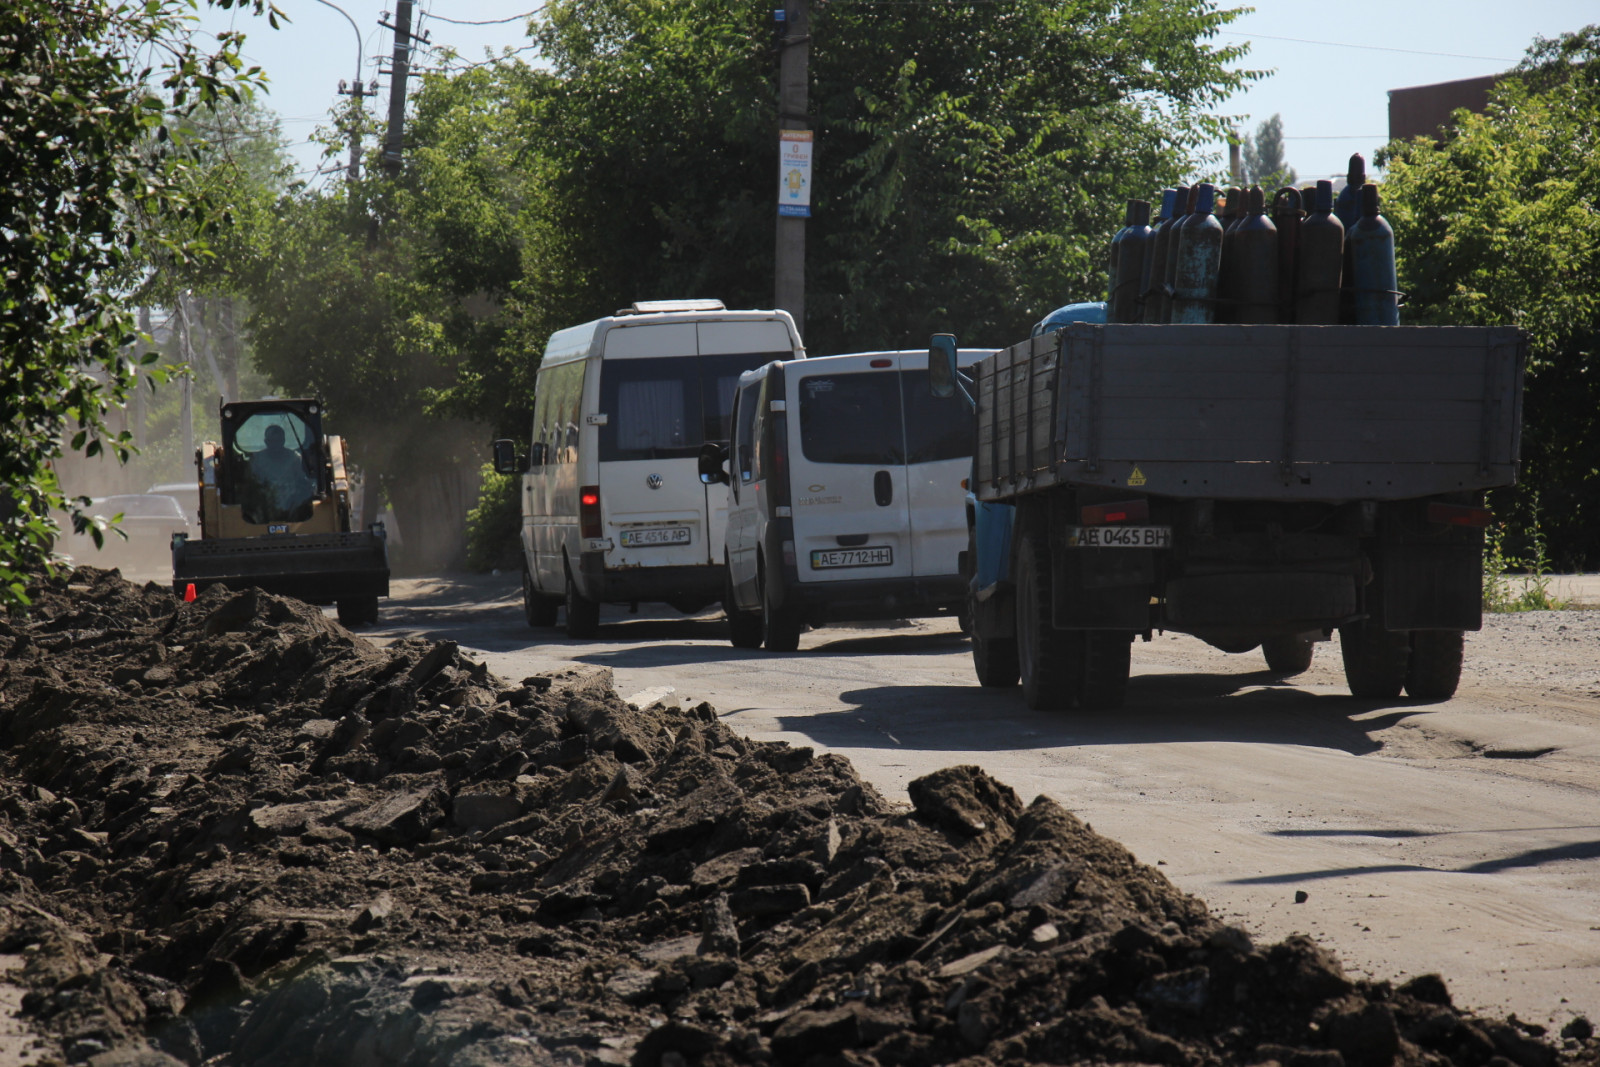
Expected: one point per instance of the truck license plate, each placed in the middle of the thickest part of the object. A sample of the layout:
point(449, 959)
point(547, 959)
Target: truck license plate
point(875, 556)
point(659, 535)
point(1120, 536)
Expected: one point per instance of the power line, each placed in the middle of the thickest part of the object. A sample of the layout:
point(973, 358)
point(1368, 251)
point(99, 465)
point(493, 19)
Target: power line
point(1363, 47)
point(489, 22)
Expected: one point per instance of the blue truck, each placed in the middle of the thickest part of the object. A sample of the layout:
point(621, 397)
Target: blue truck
point(1254, 486)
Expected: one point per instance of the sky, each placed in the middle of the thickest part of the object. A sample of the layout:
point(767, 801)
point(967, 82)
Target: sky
point(1332, 63)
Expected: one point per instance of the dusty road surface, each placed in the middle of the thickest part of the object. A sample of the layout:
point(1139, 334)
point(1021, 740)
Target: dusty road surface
point(1461, 837)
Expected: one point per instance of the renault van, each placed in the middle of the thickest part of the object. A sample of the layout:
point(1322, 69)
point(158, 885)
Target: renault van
point(845, 478)
point(613, 510)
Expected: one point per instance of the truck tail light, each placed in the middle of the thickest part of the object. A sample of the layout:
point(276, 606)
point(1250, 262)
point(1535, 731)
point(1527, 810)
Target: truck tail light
point(589, 511)
point(1459, 514)
point(1122, 511)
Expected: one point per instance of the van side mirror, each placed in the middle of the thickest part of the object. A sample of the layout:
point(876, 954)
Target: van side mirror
point(713, 463)
point(506, 460)
point(942, 365)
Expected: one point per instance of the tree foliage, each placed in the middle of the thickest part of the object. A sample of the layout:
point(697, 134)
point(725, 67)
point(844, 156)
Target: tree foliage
point(87, 104)
point(1264, 163)
point(1496, 225)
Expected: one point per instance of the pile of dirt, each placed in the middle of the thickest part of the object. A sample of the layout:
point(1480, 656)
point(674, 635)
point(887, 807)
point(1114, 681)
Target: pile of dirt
point(231, 832)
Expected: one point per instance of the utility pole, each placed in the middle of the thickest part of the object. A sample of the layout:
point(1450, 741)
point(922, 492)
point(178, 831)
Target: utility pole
point(794, 56)
point(354, 91)
point(140, 411)
point(399, 74)
point(1235, 158)
point(185, 348)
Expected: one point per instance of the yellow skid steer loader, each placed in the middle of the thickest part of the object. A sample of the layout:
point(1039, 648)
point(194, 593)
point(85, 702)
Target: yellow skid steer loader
point(275, 514)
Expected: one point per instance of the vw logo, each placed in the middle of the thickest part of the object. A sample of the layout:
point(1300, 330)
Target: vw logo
point(653, 481)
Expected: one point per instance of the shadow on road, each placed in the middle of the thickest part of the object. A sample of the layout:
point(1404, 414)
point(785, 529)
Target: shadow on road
point(1256, 708)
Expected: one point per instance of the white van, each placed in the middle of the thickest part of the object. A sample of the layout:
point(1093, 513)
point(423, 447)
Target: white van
point(613, 511)
point(846, 477)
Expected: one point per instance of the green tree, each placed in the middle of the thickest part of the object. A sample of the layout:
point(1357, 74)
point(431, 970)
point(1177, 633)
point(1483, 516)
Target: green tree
point(87, 104)
point(1495, 225)
point(1263, 156)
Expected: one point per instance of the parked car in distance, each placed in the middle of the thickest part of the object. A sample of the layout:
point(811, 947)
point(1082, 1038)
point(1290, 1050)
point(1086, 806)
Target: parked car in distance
point(846, 495)
point(148, 519)
point(187, 494)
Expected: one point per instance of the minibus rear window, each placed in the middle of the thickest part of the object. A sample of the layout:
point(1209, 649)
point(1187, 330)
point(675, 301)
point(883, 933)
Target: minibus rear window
point(663, 408)
point(852, 418)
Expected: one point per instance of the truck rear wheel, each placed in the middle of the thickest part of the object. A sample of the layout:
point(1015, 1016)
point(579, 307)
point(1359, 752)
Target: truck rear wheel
point(538, 609)
point(358, 611)
point(583, 614)
point(1108, 658)
point(744, 627)
point(780, 626)
point(1288, 655)
point(1435, 668)
point(1375, 660)
point(1050, 661)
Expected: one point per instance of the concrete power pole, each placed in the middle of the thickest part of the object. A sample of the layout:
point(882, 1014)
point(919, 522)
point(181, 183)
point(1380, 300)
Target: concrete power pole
point(794, 43)
point(400, 73)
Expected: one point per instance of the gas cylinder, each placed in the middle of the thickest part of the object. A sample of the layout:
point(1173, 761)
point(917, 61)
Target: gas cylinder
point(1348, 205)
point(1155, 260)
point(1321, 262)
point(1255, 252)
point(1231, 215)
point(1129, 251)
point(1371, 243)
point(1187, 198)
point(1199, 255)
point(1286, 215)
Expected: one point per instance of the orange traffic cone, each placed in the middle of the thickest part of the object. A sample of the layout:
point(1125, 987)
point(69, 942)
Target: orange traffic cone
point(188, 593)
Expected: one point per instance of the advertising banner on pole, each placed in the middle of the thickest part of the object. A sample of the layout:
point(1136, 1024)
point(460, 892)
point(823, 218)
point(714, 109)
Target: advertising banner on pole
point(794, 172)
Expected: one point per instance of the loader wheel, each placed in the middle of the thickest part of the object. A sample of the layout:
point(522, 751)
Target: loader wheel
point(1435, 668)
point(358, 611)
point(744, 627)
point(994, 659)
point(1050, 661)
point(538, 609)
point(1375, 660)
point(1288, 655)
point(780, 627)
point(583, 614)
point(1107, 661)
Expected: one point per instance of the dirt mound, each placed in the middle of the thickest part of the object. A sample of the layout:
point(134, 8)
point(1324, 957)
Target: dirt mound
point(233, 833)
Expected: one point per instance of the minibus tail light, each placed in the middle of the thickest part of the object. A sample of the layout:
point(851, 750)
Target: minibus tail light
point(589, 511)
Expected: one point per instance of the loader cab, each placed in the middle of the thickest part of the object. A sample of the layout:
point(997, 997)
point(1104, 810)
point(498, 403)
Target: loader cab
point(272, 467)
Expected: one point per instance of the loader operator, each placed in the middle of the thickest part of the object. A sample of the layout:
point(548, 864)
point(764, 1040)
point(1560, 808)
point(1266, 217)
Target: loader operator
point(279, 489)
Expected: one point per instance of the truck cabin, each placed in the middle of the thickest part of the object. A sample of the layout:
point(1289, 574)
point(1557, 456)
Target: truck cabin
point(272, 466)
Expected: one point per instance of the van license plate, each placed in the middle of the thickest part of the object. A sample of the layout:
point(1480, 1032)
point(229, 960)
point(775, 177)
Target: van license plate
point(660, 535)
point(826, 558)
point(1119, 536)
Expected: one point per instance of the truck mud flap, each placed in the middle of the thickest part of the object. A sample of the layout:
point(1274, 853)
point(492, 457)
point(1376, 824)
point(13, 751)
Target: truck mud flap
point(1431, 587)
point(1265, 600)
point(316, 568)
point(1103, 588)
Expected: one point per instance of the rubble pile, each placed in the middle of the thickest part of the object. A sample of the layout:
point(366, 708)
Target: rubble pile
point(233, 833)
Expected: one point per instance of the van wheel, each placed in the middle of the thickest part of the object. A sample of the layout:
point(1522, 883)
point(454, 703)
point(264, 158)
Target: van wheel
point(538, 609)
point(1435, 668)
point(1288, 655)
point(1108, 658)
point(583, 614)
point(1375, 660)
point(1050, 661)
point(780, 627)
point(744, 627)
point(358, 611)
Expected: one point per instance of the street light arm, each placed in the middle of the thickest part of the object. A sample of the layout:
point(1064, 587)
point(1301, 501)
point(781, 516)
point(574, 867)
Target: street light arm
point(360, 61)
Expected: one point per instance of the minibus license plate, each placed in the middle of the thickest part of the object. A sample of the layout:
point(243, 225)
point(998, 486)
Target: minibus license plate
point(876, 556)
point(660, 535)
point(1120, 536)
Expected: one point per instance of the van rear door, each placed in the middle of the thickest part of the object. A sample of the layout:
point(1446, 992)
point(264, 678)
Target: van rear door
point(847, 481)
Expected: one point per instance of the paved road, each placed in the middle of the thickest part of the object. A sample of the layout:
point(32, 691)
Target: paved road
point(1461, 838)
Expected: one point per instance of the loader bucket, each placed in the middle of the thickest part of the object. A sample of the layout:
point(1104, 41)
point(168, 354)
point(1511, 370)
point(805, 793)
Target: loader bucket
point(316, 568)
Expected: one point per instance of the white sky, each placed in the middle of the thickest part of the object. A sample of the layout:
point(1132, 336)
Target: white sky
point(1334, 62)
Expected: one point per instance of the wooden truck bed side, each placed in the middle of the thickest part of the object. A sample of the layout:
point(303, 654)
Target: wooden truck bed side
point(1253, 412)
